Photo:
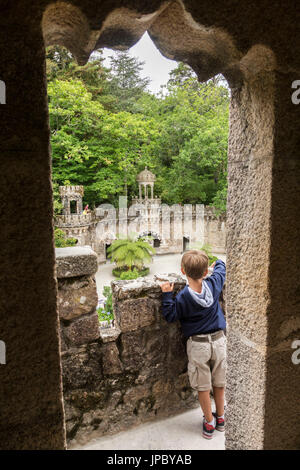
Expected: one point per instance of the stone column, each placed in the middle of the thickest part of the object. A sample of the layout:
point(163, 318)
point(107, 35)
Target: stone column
point(282, 375)
point(263, 385)
point(79, 206)
point(66, 204)
point(30, 392)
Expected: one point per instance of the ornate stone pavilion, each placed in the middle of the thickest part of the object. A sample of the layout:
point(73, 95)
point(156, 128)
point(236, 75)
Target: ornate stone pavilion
point(170, 229)
point(146, 180)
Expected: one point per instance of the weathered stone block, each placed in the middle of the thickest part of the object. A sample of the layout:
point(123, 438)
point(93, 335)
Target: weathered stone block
point(137, 393)
point(149, 286)
point(111, 361)
point(132, 314)
point(82, 366)
point(156, 346)
point(132, 350)
point(75, 261)
point(162, 388)
point(109, 334)
point(82, 330)
point(76, 297)
point(85, 400)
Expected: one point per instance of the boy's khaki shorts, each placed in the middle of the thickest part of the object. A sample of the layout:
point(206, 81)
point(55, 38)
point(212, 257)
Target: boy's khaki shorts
point(207, 363)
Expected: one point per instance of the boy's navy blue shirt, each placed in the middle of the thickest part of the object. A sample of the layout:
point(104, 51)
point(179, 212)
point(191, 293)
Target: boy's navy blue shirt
point(194, 318)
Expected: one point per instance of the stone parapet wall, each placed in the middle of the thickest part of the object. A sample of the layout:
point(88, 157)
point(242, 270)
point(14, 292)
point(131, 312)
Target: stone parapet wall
point(70, 191)
point(124, 375)
point(74, 220)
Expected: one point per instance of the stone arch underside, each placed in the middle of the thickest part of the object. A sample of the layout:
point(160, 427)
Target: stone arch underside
point(208, 49)
point(253, 46)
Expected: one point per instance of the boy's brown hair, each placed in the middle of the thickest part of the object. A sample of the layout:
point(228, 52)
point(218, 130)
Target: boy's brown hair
point(194, 263)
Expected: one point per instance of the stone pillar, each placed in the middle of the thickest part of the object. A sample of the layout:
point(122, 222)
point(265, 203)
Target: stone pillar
point(263, 385)
point(79, 206)
point(30, 392)
point(66, 206)
point(282, 375)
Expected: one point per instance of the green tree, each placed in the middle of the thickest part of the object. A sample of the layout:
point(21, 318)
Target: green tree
point(106, 126)
point(94, 147)
point(191, 149)
point(126, 82)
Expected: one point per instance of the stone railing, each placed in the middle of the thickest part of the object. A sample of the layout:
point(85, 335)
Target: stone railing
point(116, 377)
point(73, 220)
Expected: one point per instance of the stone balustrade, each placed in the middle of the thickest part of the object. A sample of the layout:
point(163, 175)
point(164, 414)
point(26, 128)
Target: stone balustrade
point(74, 220)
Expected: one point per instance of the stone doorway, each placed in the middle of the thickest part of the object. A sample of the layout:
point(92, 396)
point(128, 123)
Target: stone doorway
point(107, 246)
point(185, 244)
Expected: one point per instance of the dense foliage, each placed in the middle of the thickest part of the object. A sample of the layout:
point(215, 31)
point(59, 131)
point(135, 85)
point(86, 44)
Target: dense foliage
point(61, 240)
point(106, 126)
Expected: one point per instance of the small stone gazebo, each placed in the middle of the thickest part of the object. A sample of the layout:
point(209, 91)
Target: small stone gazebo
point(145, 179)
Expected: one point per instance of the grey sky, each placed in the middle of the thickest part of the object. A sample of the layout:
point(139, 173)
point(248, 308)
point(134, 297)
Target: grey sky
point(156, 67)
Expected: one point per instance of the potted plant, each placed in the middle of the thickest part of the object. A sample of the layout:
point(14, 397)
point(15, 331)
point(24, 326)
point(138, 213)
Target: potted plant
point(131, 256)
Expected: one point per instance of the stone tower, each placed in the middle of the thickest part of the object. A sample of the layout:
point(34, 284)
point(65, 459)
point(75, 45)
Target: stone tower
point(69, 194)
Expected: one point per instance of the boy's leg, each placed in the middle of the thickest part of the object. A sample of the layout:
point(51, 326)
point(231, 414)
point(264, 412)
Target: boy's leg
point(218, 379)
point(205, 403)
point(219, 400)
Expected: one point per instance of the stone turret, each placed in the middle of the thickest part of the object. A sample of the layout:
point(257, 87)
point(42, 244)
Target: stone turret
point(69, 194)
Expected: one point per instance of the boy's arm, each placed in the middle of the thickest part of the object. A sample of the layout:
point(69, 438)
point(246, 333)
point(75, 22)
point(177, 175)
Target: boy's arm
point(219, 274)
point(169, 304)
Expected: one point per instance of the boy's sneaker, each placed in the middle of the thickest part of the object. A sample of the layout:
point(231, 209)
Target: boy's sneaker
point(220, 423)
point(208, 429)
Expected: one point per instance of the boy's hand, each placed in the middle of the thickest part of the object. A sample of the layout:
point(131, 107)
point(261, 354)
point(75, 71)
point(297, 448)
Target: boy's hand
point(213, 265)
point(167, 287)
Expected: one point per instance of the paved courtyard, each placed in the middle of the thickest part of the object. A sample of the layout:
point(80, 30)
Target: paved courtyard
point(160, 264)
point(180, 432)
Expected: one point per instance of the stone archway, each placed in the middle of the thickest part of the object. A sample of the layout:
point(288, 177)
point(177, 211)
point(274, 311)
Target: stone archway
point(253, 47)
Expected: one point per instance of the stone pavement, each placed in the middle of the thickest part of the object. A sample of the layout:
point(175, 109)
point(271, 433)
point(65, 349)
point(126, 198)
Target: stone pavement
point(181, 432)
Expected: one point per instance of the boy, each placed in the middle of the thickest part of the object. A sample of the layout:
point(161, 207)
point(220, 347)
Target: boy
point(202, 320)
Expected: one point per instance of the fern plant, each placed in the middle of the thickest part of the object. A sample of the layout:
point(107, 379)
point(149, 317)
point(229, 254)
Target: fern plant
point(130, 253)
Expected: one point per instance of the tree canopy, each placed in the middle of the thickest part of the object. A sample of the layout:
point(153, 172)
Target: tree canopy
point(106, 126)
